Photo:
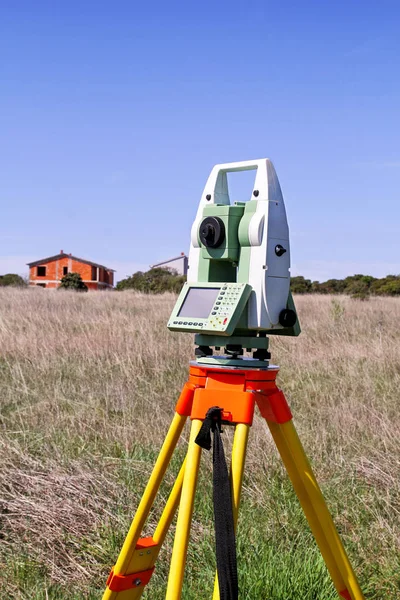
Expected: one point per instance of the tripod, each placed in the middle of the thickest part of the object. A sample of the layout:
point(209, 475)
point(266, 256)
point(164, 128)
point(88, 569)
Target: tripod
point(237, 390)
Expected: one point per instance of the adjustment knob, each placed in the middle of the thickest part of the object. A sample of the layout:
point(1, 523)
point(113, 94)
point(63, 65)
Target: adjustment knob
point(279, 250)
point(287, 317)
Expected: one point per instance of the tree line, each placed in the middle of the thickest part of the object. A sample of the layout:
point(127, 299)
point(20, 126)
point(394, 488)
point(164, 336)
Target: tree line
point(357, 286)
point(158, 281)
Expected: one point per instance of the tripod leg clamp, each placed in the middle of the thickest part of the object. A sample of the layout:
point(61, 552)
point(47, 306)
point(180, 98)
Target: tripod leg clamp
point(273, 407)
point(184, 405)
point(121, 583)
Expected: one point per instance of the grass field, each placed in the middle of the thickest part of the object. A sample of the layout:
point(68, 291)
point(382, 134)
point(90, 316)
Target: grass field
point(88, 384)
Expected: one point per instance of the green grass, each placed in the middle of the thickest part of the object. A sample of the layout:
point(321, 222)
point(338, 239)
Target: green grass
point(87, 390)
point(277, 556)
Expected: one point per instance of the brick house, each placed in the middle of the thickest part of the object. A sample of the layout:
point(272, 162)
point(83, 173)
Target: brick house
point(48, 272)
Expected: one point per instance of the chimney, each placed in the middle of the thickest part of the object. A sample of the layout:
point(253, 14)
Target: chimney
point(61, 251)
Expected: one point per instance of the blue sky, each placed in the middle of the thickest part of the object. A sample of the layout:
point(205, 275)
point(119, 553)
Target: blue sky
point(112, 114)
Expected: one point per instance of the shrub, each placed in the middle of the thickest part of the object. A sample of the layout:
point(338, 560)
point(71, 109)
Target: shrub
point(73, 281)
point(154, 281)
point(299, 285)
point(359, 289)
point(12, 279)
point(332, 286)
point(387, 286)
point(337, 310)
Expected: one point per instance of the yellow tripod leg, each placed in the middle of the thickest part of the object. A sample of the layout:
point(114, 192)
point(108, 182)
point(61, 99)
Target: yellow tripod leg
point(315, 509)
point(144, 558)
point(237, 469)
point(124, 561)
point(179, 552)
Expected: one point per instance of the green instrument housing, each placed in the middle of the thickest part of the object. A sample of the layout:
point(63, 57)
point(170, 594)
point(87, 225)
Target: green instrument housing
point(219, 264)
point(225, 270)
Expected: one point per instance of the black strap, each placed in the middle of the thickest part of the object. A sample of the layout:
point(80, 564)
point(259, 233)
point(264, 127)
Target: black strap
point(223, 513)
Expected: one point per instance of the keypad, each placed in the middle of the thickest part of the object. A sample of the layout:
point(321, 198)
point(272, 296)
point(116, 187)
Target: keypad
point(224, 307)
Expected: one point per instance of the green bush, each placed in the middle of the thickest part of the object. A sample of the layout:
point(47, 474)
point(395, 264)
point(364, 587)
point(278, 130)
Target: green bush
point(299, 285)
point(332, 286)
point(73, 281)
point(155, 281)
point(359, 289)
point(387, 286)
point(12, 279)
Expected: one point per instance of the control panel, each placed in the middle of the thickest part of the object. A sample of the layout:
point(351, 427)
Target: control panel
point(213, 308)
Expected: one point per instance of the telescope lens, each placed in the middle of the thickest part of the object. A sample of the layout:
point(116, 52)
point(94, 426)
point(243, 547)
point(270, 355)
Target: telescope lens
point(212, 232)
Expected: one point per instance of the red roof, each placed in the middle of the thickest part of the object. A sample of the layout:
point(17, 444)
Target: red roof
point(64, 255)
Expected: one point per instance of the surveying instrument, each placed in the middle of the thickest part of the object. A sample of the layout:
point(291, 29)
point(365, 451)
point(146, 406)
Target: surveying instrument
point(236, 295)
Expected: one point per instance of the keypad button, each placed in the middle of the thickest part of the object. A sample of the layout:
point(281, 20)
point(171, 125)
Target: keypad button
point(214, 313)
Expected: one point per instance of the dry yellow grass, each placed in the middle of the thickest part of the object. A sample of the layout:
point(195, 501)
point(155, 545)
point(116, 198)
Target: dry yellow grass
point(88, 384)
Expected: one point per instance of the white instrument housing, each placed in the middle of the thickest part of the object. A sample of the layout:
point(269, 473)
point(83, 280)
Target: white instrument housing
point(266, 272)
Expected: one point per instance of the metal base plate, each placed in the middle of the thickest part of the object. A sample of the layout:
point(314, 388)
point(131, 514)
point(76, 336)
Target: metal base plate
point(227, 361)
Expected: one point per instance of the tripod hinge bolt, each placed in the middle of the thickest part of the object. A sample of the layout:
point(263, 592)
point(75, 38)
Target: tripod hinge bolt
point(121, 583)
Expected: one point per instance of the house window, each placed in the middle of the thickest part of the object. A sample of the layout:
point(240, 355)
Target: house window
point(65, 270)
point(40, 285)
point(41, 271)
point(94, 273)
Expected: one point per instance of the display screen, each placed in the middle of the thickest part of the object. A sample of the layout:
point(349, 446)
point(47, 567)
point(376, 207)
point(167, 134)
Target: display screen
point(198, 302)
